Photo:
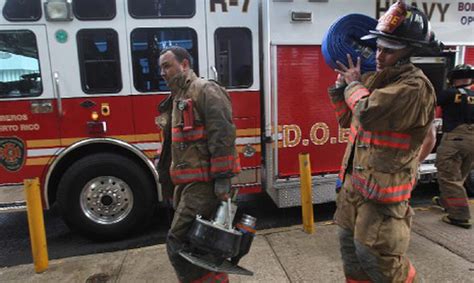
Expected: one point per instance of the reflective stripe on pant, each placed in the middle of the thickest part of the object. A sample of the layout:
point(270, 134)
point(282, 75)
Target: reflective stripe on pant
point(374, 238)
point(454, 158)
point(213, 277)
point(189, 201)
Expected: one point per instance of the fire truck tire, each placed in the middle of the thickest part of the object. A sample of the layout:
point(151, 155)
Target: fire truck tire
point(469, 184)
point(105, 196)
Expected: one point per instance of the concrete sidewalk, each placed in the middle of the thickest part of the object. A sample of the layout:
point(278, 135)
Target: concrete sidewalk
point(439, 252)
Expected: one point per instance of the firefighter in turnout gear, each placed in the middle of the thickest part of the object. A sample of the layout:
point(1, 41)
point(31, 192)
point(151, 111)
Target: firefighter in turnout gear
point(199, 143)
point(455, 154)
point(389, 113)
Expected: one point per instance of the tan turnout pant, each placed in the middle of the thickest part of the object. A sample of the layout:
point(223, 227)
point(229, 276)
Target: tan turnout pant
point(454, 158)
point(374, 238)
point(189, 201)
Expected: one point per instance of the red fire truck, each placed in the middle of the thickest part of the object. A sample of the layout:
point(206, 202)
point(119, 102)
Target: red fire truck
point(80, 85)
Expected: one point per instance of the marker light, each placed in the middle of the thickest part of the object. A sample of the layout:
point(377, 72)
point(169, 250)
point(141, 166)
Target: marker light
point(94, 116)
point(58, 10)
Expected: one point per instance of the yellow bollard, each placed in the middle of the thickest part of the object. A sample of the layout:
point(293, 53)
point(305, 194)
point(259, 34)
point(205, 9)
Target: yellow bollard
point(306, 193)
point(36, 224)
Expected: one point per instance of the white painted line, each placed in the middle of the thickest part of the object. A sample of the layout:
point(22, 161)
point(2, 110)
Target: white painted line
point(148, 146)
point(44, 152)
point(252, 140)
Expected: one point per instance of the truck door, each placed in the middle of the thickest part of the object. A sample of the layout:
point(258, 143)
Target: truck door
point(29, 134)
point(151, 28)
point(302, 112)
point(232, 44)
point(90, 64)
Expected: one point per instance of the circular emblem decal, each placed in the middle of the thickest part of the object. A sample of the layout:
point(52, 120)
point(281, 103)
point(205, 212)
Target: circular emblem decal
point(61, 36)
point(12, 153)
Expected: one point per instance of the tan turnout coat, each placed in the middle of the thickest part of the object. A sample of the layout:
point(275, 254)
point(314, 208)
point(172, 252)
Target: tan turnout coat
point(388, 113)
point(204, 148)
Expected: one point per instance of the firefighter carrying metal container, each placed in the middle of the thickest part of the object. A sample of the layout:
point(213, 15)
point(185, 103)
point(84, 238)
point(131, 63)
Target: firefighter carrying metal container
point(198, 156)
point(389, 113)
point(455, 154)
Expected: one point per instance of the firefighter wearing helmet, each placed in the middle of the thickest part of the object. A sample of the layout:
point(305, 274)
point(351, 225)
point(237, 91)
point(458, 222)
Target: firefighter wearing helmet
point(455, 154)
point(389, 113)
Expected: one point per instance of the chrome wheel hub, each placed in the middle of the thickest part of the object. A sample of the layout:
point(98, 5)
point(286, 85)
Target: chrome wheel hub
point(106, 200)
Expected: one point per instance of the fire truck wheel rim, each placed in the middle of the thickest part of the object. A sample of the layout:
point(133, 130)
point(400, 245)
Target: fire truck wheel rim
point(106, 200)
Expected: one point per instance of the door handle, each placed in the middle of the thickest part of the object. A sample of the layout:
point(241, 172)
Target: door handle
point(216, 74)
point(57, 93)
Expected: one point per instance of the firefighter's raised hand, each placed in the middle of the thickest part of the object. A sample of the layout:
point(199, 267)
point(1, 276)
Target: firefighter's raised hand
point(350, 73)
point(222, 188)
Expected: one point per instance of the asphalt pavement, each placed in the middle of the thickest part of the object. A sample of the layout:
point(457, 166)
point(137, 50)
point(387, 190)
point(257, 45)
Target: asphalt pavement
point(15, 245)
